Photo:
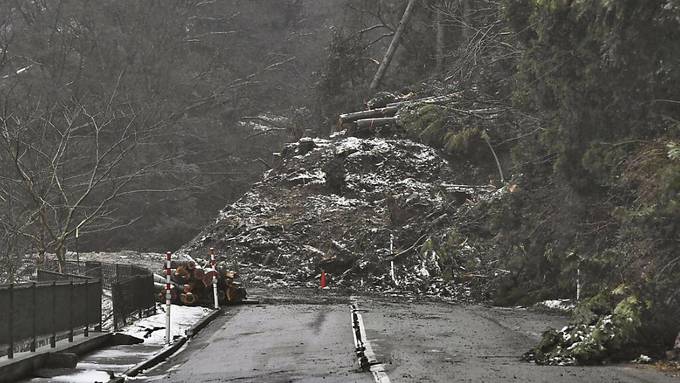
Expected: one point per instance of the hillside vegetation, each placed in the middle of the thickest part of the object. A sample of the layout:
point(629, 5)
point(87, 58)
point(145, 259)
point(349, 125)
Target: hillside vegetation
point(581, 101)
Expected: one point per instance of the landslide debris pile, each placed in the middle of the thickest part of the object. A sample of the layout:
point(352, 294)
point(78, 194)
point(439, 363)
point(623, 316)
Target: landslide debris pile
point(335, 204)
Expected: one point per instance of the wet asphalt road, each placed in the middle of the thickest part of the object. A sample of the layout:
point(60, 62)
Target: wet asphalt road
point(434, 342)
point(289, 341)
point(270, 343)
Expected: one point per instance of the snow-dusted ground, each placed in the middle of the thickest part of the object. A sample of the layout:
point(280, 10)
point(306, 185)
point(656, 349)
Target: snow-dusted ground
point(81, 376)
point(562, 305)
point(95, 367)
point(152, 329)
point(152, 261)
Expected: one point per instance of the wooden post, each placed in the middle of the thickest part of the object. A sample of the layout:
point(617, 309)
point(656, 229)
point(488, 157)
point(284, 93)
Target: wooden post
point(393, 46)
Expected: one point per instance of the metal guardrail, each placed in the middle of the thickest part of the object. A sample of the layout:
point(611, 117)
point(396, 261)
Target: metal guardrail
point(39, 309)
point(132, 295)
point(132, 289)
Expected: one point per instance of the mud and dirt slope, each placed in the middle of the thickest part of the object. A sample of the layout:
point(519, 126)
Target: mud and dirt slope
point(334, 204)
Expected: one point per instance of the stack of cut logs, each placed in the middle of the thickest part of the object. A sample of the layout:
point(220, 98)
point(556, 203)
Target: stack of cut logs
point(192, 285)
point(379, 121)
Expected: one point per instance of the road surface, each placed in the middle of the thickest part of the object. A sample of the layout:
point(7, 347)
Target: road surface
point(303, 341)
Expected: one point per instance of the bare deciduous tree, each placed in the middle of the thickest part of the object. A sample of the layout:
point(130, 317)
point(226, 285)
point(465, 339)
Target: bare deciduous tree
point(68, 166)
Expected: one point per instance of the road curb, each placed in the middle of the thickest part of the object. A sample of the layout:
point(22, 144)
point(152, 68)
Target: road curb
point(23, 364)
point(169, 350)
point(364, 351)
point(200, 325)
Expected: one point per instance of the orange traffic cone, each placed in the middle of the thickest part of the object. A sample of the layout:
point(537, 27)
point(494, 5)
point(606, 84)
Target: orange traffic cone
point(323, 279)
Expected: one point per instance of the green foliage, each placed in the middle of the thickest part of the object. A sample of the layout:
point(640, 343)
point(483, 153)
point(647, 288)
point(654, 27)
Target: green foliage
point(467, 143)
point(673, 151)
point(593, 69)
point(612, 325)
point(602, 162)
point(425, 123)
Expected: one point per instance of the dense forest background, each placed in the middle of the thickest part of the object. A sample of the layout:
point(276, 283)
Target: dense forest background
point(128, 125)
point(165, 110)
point(131, 123)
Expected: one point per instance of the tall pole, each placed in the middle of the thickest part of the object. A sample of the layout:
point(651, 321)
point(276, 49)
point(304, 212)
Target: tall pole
point(578, 282)
point(168, 302)
point(214, 278)
point(77, 252)
point(392, 261)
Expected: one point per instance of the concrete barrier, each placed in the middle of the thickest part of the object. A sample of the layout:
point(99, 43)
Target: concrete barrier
point(63, 355)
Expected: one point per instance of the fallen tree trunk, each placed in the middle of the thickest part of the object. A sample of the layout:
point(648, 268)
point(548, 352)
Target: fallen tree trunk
point(371, 127)
point(385, 63)
point(364, 114)
point(456, 187)
point(376, 122)
point(425, 100)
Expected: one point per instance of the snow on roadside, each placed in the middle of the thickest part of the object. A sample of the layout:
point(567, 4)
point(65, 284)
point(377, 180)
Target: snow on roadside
point(563, 305)
point(152, 329)
point(81, 376)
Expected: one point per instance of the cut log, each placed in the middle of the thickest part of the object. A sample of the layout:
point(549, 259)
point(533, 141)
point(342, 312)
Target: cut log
point(425, 100)
point(373, 113)
point(465, 188)
point(376, 122)
point(372, 127)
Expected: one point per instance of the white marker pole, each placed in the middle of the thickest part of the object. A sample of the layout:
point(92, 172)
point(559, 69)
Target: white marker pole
point(578, 282)
point(214, 278)
point(168, 302)
point(392, 261)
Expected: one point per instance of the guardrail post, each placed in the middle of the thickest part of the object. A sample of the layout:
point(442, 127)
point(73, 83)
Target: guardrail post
point(34, 317)
point(114, 304)
point(138, 296)
point(10, 323)
point(70, 313)
point(53, 338)
point(86, 330)
point(100, 294)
